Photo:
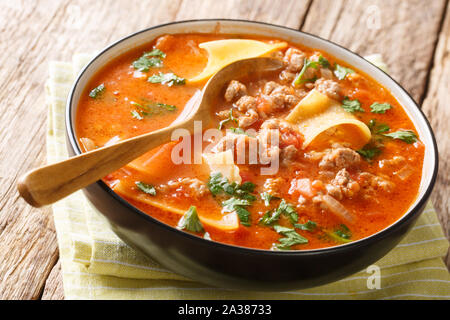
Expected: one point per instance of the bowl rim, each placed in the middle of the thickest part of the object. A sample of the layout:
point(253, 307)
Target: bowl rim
point(413, 210)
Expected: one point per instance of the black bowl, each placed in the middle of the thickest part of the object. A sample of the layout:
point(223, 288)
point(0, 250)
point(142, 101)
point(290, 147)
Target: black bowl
point(236, 267)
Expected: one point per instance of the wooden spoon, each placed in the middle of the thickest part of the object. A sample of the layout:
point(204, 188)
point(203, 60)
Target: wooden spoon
point(53, 182)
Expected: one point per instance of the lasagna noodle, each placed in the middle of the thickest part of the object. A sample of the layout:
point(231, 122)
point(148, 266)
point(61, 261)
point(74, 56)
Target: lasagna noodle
point(225, 222)
point(323, 120)
point(223, 52)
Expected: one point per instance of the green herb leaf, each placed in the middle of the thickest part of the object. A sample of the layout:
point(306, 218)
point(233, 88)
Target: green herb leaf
point(155, 53)
point(267, 197)
point(167, 78)
point(291, 238)
point(377, 128)
point(369, 151)
point(341, 72)
point(241, 195)
point(190, 221)
point(237, 205)
point(270, 217)
point(144, 63)
point(324, 62)
point(147, 188)
point(239, 131)
point(97, 92)
point(351, 105)
point(218, 185)
point(150, 108)
point(136, 115)
point(380, 107)
point(307, 64)
point(285, 209)
point(407, 136)
point(341, 234)
point(288, 210)
point(308, 226)
point(343, 231)
point(230, 118)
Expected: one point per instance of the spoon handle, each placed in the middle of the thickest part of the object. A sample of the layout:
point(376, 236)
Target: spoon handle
point(55, 181)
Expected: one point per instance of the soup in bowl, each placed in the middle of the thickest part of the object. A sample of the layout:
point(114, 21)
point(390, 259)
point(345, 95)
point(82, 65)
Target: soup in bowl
point(305, 175)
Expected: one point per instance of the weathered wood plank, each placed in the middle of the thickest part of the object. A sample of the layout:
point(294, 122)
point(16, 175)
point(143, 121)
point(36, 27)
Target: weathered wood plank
point(404, 32)
point(290, 13)
point(53, 289)
point(436, 107)
point(31, 34)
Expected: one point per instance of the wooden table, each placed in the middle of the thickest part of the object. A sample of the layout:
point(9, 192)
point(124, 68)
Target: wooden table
point(412, 35)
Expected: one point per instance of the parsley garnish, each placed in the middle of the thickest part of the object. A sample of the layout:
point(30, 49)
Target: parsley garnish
point(369, 151)
point(407, 136)
point(374, 147)
point(241, 195)
point(380, 107)
point(267, 197)
point(341, 72)
point(238, 131)
point(341, 234)
point(144, 64)
point(167, 78)
point(219, 185)
point(230, 118)
point(308, 226)
point(324, 62)
point(97, 92)
point(154, 53)
point(147, 188)
point(351, 105)
point(150, 109)
point(190, 221)
point(238, 205)
point(307, 64)
point(291, 238)
point(284, 208)
point(376, 127)
point(149, 60)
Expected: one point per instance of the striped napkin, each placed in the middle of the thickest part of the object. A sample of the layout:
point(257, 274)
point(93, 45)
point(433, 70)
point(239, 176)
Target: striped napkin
point(96, 264)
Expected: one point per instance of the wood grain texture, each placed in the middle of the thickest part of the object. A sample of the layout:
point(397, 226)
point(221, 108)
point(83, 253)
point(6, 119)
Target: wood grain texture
point(31, 35)
point(34, 32)
point(436, 108)
point(404, 32)
point(53, 289)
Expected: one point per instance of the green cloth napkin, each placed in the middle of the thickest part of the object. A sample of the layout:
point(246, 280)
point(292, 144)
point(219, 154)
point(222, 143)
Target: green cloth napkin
point(96, 264)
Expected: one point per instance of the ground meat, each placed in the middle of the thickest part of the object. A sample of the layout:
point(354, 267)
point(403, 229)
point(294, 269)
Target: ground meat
point(339, 158)
point(274, 185)
point(245, 103)
point(235, 90)
point(371, 183)
point(277, 97)
point(287, 137)
point(342, 186)
point(288, 155)
point(287, 76)
point(248, 119)
point(241, 146)
point(294, 59)
point(326, 73)
point(329, 87)
point(189, 187)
